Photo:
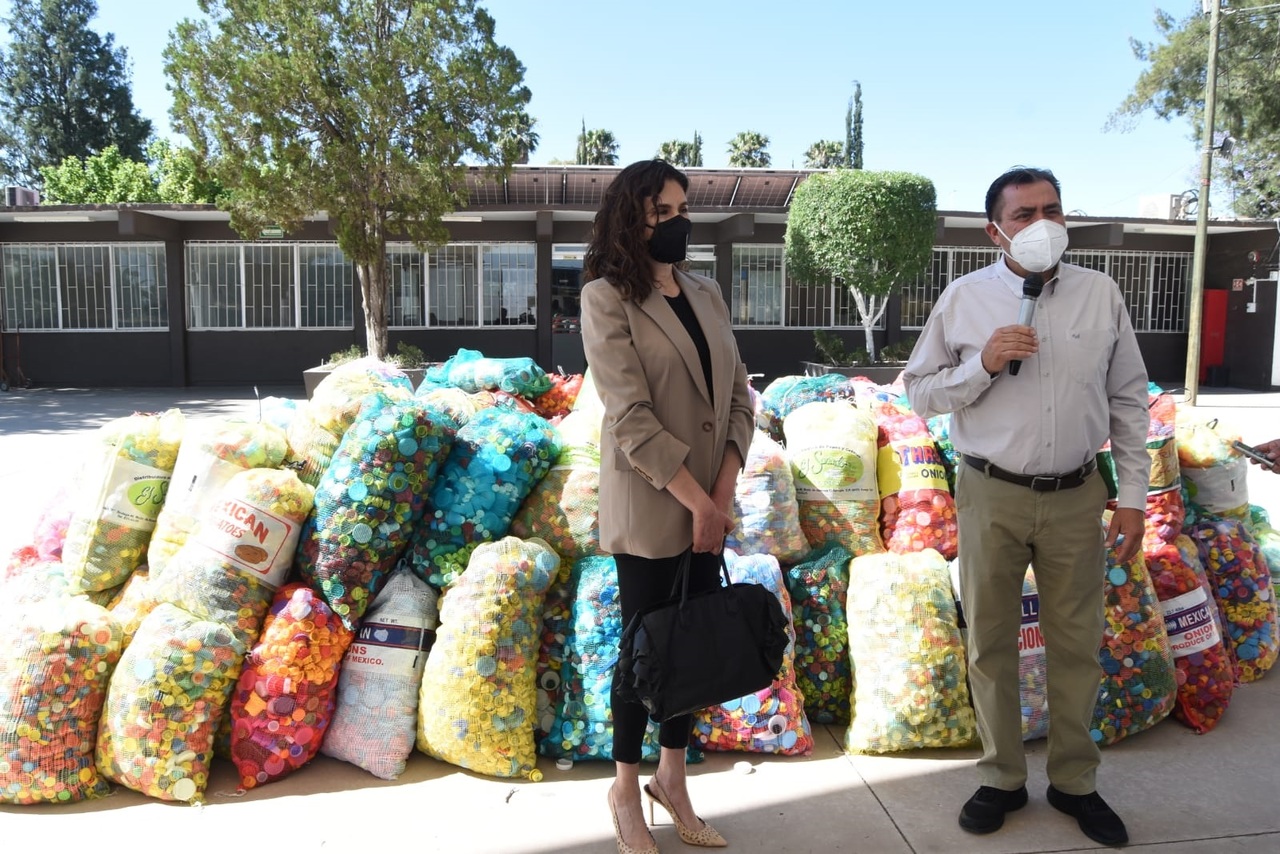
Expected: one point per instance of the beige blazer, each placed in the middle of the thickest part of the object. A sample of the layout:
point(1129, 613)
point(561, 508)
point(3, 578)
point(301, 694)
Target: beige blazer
point(657, 411)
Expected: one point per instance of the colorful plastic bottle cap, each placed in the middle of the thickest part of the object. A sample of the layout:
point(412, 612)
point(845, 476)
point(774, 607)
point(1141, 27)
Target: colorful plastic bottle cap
point(564, 764)
point(743, 767)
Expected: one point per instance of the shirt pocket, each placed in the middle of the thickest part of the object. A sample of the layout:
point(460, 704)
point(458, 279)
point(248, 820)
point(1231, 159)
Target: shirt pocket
point(1089, 354)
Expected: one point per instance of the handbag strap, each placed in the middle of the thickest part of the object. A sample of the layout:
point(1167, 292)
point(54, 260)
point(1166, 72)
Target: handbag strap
point(681, 582)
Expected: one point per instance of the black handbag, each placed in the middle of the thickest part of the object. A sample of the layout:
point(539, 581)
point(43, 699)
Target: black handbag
point(692, 652)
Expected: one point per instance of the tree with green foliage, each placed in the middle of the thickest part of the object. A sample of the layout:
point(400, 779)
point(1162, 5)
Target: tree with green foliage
point(170, 175)
point(696, 157)
point(106, 178)
point(853, 129)
point(64, 91)
point(521, 136)
point(872, 232)
point(1173, 86)
point(365, 109)
point(677, 152)
point(597, 147)
point(825, 154)
point(749, 148)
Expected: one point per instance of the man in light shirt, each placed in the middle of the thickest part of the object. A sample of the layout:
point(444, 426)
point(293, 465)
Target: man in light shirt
point(1032, 404)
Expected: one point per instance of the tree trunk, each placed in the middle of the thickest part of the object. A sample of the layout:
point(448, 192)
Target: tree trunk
point(373, 290)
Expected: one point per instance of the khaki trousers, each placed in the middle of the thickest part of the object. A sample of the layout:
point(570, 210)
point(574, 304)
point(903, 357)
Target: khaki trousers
point(1004, 527)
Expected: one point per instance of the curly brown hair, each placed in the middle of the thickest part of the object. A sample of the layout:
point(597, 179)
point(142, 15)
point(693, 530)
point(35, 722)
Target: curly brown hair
point(618, 250)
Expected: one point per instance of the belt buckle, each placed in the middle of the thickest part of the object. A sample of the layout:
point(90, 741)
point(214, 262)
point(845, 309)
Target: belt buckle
point(1045, 483)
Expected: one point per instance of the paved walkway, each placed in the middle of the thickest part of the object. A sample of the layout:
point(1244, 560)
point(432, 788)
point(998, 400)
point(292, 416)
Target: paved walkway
point(1178, 792)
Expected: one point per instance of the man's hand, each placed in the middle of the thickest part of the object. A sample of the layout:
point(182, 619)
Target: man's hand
point(1008, 343)
point(1271, 449)
point(1126, 522)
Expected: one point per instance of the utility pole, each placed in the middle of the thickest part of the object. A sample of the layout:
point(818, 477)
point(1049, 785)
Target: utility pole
point(1195, 318)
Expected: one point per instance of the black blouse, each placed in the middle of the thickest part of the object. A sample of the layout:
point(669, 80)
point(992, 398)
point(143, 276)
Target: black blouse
point(680, 305)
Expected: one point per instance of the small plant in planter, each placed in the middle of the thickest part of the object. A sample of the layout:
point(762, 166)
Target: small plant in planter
point(405, 356)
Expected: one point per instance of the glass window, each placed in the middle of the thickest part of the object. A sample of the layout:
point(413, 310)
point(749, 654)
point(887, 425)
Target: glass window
point(326, 280)
point(702, 260)
point(757, 292)
point(30, 286)
point(509, 284)
point(268, 286)
point(84, 285)
point(406, 273)
point(142, 287)
point(566, 287)
point(453, 286)
point(213, 286)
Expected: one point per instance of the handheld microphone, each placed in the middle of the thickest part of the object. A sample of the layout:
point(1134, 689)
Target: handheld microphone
point(1032, 285)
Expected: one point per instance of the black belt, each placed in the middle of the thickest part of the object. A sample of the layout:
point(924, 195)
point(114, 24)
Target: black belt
point(1036, 482)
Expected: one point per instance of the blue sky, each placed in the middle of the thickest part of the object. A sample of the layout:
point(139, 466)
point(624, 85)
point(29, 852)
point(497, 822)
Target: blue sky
point(954, 91)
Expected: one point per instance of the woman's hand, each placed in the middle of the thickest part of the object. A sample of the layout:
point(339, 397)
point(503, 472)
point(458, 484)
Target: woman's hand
point(710, 526)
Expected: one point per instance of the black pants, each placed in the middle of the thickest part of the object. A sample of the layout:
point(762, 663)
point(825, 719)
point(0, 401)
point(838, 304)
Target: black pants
point(643, 582)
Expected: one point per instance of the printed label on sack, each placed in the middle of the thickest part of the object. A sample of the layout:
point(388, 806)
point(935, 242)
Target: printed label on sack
point(1219, 488)
point(198, 479)
point(1164, 465)
point(134, 495)
point(1030, 638)
point(834, 474)
point(1188, 618)
point(909, 465)
point(255, 541)
point(389, 648)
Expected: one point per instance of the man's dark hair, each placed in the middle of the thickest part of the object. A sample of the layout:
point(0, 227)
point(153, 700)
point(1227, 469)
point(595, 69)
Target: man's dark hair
point(618, 250)
point(1018, 176)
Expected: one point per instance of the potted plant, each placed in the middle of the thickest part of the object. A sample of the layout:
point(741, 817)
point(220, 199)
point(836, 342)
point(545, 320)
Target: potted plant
point(407, 358)
point(833, 357)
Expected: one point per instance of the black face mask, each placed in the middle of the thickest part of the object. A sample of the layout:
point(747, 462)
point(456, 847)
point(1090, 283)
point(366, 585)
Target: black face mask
point(670, 240)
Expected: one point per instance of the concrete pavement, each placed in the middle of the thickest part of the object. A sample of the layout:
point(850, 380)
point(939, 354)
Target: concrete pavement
point(1177, 791)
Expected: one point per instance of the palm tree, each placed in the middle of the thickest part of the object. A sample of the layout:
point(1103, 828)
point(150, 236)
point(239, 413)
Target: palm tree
point(677, 152)
point(597, 147)
point(825, 154)
point(521, 138)
point(748, 149)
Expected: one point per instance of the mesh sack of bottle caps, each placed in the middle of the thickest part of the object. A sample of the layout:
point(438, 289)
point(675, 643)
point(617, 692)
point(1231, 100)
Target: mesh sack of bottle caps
point(318, 427)
point(241, 553)
point(1215, 475)
point(164, 701)
point(1268, 542)
point(1241, 585)
point(1205, 674)
point(284, 699)
point(910, 688)
point(818, 587)
point(478, 700)
point(940, 429)
point(55, 659)
point(917, 511)
point(496, 461)
point(1033, 683)
point(832, 450)
point(771, 720)
point(210, 455)
point(471, 370)
point(766, 512)
point(786, 394)
point(1164, 512)
point(564, 507)
point(556, 402)
point(119, 497)
point(50, 530)
point(278, 411)
point(582, 626)
point(375, 722)
point(454, 402)
point(370, 498)
point(131, 604)
point(1138, 685)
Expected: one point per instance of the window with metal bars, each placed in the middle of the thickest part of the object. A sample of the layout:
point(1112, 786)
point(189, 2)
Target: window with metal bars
point(1154, 284)
point(78, 286)
point(268, 286)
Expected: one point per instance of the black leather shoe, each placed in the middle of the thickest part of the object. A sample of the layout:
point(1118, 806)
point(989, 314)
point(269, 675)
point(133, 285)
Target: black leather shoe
point(984, 812)
point(1098, 821)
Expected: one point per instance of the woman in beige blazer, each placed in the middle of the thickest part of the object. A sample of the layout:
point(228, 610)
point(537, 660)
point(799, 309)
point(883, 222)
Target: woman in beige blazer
point(677, 425)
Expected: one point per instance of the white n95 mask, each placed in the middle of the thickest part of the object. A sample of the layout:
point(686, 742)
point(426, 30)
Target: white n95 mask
point(1038, 246)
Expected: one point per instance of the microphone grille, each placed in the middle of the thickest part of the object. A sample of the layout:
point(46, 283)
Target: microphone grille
point(1032, 285)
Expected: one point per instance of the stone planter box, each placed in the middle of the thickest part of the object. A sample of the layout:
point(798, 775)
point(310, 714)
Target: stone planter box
point(878, 374)
point(311, 377)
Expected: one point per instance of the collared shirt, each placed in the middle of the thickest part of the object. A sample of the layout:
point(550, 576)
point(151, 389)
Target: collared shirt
point(1086, 384)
